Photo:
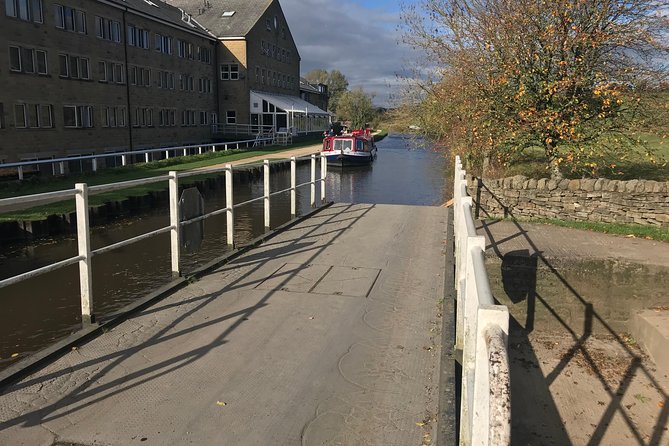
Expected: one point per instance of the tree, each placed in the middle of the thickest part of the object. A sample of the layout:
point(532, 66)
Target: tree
point(555, 74)
point(336, 82)
point(356, 106)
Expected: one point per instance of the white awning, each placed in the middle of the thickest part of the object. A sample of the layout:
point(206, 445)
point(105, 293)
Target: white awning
point(287, 103)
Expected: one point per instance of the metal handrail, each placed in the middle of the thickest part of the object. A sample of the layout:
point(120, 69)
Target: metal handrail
point(81, 192)
point(19, 165)
point(481, 332)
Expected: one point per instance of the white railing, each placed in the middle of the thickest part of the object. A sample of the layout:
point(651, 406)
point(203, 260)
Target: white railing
point(481, 333)
point(242, 129)
point(169, 152)
point(82, 191)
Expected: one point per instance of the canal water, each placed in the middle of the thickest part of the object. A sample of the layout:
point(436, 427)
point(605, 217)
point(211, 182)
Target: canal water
point(39, 311)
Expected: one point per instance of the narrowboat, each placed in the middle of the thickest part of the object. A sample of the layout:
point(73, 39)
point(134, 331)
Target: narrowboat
point(350, 149)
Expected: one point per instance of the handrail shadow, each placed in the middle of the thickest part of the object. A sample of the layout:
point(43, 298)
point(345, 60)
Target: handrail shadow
point(521, 267)
point(84, 395)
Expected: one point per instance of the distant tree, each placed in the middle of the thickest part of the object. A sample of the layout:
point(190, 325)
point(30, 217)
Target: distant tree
point(336, 82)
point(563, 75)
point(356, 107)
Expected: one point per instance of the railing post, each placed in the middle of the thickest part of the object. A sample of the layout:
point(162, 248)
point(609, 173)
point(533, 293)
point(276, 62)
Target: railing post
point(491, 320)
point(313, 180)
point(230, 205)
point(470, 310)
point(95, 164)
point(20, 172)
point(324, 173)
point(167, 154)
point(199, 150)
point(61, 167)
point(185, 152)
point(147, 157)
point(84, 248)
point(175, 220)
point(225, 147)
point(124, 160)
point(293, 189)
point(266, 192)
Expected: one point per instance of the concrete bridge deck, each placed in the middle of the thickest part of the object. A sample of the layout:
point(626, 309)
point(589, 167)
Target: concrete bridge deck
point(327, 334)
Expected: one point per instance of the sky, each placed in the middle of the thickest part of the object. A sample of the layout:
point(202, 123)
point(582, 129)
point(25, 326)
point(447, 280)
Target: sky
point(358, 38)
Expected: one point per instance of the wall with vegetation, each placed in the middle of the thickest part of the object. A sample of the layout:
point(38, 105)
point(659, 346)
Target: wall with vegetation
point(636, 201)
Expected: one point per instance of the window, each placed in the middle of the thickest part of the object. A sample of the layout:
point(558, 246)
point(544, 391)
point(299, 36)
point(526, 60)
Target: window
point(70, 19)
point(20, 120)
point(268, 24)
point(185, 49)
point(143, 117)
point(204, 85)
point(203, 118)
point(204, 54)
point(138, 37)
point(27, 10)
point(2, 115)
point(33, 116)
point(163, 44)
point(27, 60)
point(108, 29)
point(230, 72)
point(167, 117)
point(73, 67)
point(77, 116)
point(140, 76)
point(231, 117)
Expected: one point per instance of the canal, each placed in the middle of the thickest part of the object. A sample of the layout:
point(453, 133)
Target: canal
point(44, 309)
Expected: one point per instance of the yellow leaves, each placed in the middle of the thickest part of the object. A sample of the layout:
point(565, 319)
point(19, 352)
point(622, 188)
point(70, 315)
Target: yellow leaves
point(221, 403)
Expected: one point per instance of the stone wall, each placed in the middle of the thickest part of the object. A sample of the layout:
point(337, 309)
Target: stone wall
point(636, 201)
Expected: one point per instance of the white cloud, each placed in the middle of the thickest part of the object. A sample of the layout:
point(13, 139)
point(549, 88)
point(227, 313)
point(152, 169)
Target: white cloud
point(363, 43)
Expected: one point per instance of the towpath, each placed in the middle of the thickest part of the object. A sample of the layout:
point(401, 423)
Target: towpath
point(284, 154)
point(328, 333)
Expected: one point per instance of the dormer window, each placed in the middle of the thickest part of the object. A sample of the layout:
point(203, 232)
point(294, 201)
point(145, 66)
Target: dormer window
point(228, 14)
point(268, 24)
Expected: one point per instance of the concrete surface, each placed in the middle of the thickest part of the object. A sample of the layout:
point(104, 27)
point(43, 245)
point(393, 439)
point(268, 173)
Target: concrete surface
point(328, 334)
point(577, 376)
point(650, 328)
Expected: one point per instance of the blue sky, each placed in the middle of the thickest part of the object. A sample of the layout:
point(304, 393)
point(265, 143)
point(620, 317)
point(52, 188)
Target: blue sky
point(358, 38)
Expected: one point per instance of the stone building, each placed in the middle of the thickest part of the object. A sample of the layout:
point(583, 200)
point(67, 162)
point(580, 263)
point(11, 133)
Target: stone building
point(92, 76)
point(259, 66)
point(84, 76)
point(316, 94)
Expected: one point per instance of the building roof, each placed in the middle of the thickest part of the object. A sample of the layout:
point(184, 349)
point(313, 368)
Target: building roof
point(210, 13)
point(165, 12)
point(305, 85)
point(287, 103)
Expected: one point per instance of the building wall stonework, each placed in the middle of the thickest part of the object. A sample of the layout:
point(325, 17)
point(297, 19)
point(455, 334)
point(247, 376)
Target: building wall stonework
point(642, 202)
point(57, 91)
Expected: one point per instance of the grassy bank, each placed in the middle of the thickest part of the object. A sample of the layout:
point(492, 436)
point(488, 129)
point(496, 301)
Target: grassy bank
point(127, 173)
point(532, 163)
point(638, 231)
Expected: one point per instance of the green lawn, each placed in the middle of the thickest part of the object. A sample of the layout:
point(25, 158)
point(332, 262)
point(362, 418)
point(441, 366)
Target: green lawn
point(127, 173)
point(532, 163)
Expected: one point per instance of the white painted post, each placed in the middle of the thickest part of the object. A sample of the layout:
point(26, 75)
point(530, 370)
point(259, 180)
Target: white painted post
point(225, 148)
point(84, 248)
point(61, 167)
point(471, 305)
point(199, 150)
point(167, 154)
point(185, 152)
point(313, 180)
point(124, 160)
point(20, 172)
point(95, 164)
point(237, 146)
point(266, 193)
point(147, 157)
point(293, 189)
point(175, 219)
point(229, 204)
point(324, 172)
point(488, 316)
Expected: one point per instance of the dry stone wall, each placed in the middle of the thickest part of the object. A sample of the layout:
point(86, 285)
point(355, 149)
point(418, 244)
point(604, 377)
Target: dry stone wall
point(636, 201)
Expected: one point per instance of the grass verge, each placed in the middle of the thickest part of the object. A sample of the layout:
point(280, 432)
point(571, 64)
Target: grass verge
point(627, 230)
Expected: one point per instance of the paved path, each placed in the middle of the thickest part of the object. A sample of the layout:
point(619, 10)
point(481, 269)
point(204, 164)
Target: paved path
point(327, 334)
point(276, 155)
